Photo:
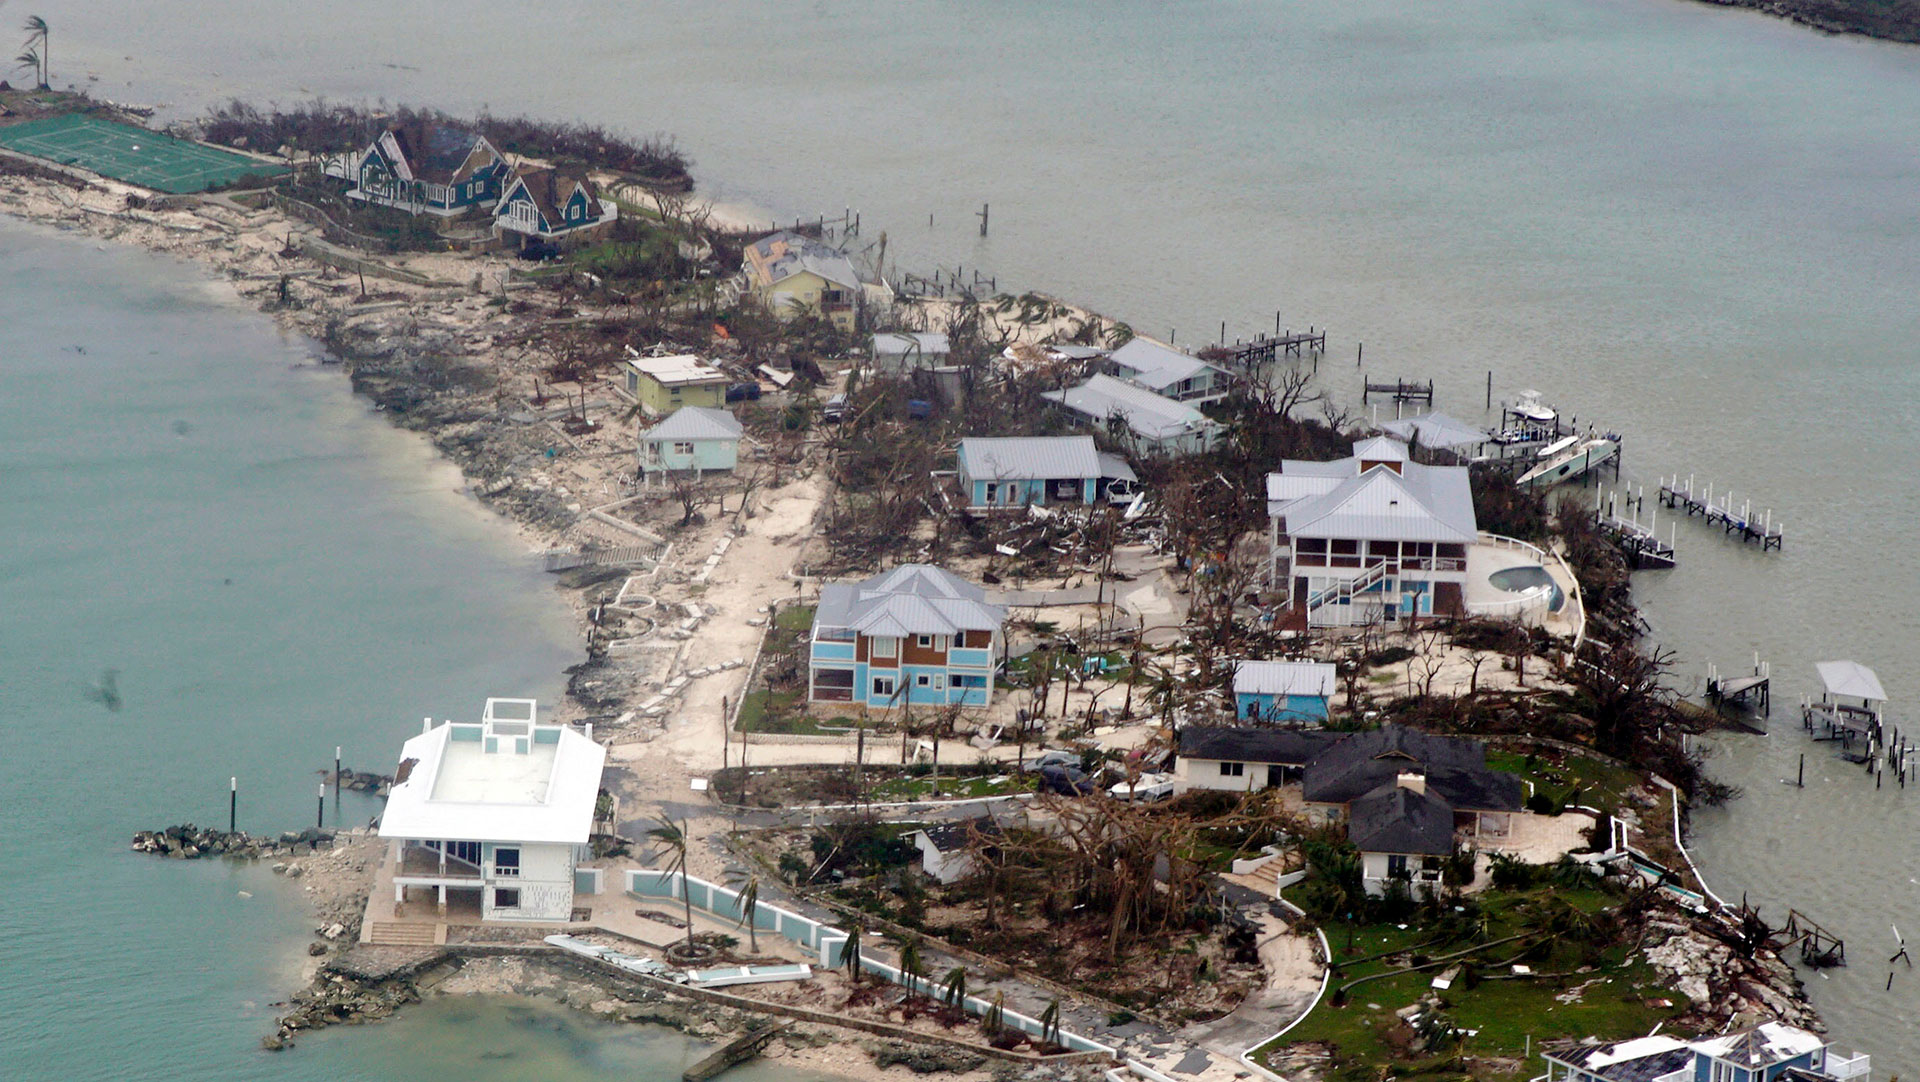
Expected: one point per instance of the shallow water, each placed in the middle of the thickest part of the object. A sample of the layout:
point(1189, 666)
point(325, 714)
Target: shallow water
point(1692, 224)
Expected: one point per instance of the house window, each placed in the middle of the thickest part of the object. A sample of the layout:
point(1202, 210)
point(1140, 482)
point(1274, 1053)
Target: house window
point(1723, 1072)
point(506, 862)
point(684, 447)
point(674, 391)
point(883, 686)
point(1233, 770)
point(1396, 864)
point(467, 851)
point(923, 641)
point(927, 680)
point(883, 646)
point(506, 897)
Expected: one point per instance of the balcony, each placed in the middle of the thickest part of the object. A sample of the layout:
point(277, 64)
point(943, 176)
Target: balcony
point(1859, 1065)
point(420, 862)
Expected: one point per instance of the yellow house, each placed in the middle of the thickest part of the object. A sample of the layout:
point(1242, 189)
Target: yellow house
point(790, 273)
point(664, 384)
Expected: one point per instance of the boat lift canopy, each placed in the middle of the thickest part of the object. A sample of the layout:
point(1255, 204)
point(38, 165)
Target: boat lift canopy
point(1851, 679)
point(1437, 431)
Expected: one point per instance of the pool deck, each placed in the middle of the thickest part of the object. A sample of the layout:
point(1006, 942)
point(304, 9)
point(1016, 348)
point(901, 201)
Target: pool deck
point(1487, 558)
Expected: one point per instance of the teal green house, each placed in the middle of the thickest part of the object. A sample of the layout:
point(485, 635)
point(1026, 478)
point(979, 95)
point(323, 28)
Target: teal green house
point(1039, 471)
point(693, 439)
point(1283, 692)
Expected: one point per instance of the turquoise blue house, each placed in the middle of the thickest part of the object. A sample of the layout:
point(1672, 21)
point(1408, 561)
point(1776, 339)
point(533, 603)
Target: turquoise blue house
point(424, 168)
point(1769, 1052)
point(914, 635)
point(1283, 692)
point(692, 439)
point(1039, 471)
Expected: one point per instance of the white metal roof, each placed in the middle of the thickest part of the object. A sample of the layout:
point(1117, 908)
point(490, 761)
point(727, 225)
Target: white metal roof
point(1436, 430)
point(1154, 366)
point(1028, 458)
point(1852, 679)
point(1380, 449)
point(1283, 678)
point(895, 343)
point(679, 368)
point(1334, 499)
point(456, 791)
point(1151, 416)
point(1764, 1045)
point(912, 599)
point(695, 423)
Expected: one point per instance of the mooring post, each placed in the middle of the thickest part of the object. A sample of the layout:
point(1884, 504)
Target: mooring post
point(320, 808)
point(1801, 782)
point(983, 219)
point(1359, 351)
point(233, 804)
point(336, 775)
point(1489, 388)
point(1223, 332)
point(1276, 323)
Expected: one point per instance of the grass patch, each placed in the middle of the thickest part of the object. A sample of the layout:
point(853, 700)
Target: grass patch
point(1596, 784)
point(951, 788)
point(1611, 999)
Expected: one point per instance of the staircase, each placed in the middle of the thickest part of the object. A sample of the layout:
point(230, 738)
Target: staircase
point(394, 934)
point(1264, 880)
point(1343, 591)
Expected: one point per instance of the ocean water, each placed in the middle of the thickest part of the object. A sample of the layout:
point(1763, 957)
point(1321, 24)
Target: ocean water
point(191, 501)
point(1692, 224)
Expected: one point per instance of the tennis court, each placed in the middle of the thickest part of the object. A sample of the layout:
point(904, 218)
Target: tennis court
point(150, 159)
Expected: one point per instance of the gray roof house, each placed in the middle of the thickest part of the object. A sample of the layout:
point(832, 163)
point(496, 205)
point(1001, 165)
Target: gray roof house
point(1374, 536)
point(695, 438)
point(1018, 471)
point(915, 634)
point(1154, 424)
point(900, 351)
point(1168, 372)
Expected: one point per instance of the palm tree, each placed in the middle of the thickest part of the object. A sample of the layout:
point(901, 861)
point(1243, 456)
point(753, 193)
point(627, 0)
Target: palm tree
point(850, 952)
point(996, 1016)
point(912, 966)
point(1050, 1023)
point(955, 993)
point(37, 28)
point(30, 59)
point(673, 837)
point(748, 885)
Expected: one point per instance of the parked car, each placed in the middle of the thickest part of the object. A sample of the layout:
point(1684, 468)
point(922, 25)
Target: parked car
point(743, 392)
point(835, 409)
point(1147, 787)
point(1067, 781)
point(1051, 757)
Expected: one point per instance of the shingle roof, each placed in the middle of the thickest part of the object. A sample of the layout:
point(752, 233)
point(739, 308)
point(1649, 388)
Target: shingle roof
point(1283, 678)
point(955, 835)
point(1284, 747)
point(1028, 458)
point(1155, 366)
point(1623, 1061)
point(695, 423)
point(1455, 768)
point(1150, 416)
point(1334, 499)
point(1395, 819)
point(550, 190)
point(912, 599)
point(434, 153)
point(1765, 1045)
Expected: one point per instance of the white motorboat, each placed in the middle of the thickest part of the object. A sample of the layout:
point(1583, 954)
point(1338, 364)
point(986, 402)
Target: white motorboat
point(1572, 461)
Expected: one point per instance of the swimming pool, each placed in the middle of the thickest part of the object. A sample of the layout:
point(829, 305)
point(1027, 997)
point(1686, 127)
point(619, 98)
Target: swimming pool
point(1520, 580)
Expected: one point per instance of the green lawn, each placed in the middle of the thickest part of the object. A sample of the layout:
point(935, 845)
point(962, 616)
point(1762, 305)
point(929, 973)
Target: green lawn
point(1600, 785)
point(1506, 1012)
point(921, 788)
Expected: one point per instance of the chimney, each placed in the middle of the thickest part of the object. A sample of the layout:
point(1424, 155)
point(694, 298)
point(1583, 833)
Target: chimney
point(1413, 780)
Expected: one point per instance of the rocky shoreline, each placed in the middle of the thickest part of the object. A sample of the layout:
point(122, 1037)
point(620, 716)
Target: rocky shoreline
point(1898, 21)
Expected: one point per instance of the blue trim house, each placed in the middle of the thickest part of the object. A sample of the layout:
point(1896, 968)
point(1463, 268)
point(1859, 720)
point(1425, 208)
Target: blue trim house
point(997, 472)
point(550, 205)
point(1282, 692)
point(913, 635)
point(1769, 1052)
point(426, 168)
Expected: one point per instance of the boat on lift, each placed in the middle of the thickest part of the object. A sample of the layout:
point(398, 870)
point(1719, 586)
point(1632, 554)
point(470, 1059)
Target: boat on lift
point(1570, 458)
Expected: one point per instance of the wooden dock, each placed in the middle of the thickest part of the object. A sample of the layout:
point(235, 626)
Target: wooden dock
point(1399, 390)
point(1819, 948)
point(1639, 542)
point(1267, 349)
point(1754, 691)
point(734, 1052)
point(1733, 522)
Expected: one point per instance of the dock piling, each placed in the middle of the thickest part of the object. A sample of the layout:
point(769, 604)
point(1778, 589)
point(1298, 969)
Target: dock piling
point(320, 807)
point(233, 804)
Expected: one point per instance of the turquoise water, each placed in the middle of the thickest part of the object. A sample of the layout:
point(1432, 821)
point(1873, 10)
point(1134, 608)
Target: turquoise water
point(1692, 224)
point(1519, 579)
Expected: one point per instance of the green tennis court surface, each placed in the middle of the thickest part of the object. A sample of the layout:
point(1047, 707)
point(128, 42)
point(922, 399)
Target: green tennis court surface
point(150, 159)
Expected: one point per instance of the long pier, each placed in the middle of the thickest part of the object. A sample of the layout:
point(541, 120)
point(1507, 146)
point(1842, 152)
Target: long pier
point(1739, 523)
point(1638, 541)
point(1268, 348)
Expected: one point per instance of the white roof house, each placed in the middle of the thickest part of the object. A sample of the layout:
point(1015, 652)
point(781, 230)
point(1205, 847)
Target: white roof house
point(903, 349)
point(497, 811)
point(1156, 422)
point(912, 599)
point(1284, 678)
point(1167, 371)
point(507, 778)
point(681, 368)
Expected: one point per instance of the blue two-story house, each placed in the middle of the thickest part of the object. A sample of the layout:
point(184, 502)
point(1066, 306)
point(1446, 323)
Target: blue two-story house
point(551, 205)
point(913, 635)
point(1283, 692)
point(425, 168)
point(1770, 1052)
point(1038, 471)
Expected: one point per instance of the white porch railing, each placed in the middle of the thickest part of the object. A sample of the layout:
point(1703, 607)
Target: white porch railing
point(1856, 1066)
point(1684, 1074)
